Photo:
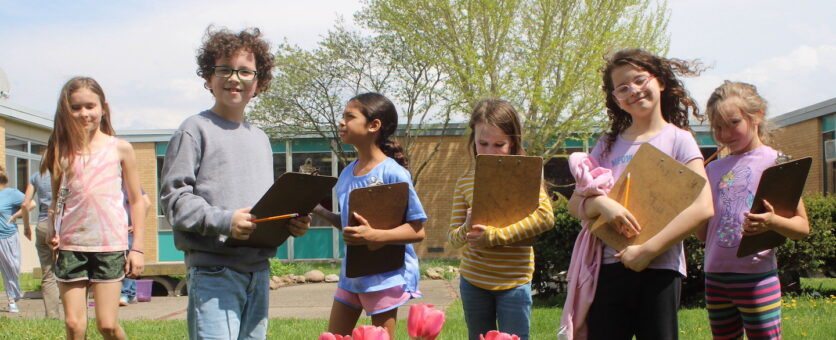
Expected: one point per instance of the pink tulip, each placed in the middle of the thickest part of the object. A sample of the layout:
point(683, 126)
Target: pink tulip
point(497, 335)
point(424, 322)
point(367, 332)
point(329, 336)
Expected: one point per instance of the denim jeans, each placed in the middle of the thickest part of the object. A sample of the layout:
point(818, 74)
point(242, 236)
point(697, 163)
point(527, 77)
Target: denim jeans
point(483, 308)
point(225, 304)
point(129, 285)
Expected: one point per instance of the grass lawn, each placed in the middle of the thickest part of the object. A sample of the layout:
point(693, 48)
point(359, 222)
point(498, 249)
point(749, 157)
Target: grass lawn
point(809, 315)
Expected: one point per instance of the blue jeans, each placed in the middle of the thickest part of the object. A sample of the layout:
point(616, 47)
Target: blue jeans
point(483, 308)
point(129, 285)
point(225, 304)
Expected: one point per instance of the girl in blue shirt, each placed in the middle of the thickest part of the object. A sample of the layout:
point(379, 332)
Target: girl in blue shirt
point(368, 121)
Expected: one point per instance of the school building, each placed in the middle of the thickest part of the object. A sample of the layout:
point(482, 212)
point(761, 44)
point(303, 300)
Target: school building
point(805, 132)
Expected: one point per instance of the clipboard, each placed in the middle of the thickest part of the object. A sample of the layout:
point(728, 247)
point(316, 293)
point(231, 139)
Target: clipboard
point(384, 206)
point(292, 193)
point(506, 189)
point(661, 188)
point(781, 185)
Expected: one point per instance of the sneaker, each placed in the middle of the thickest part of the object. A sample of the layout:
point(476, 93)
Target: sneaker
point(132, 300)
point(123, 301)
point(13, 307)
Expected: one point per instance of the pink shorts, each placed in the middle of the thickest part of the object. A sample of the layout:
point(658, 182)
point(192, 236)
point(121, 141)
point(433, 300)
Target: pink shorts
point(376, 302)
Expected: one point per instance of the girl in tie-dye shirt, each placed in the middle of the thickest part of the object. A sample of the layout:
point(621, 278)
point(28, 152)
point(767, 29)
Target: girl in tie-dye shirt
point(90, 233)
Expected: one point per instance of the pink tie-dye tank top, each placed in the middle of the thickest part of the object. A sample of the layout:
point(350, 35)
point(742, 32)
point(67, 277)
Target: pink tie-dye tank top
point(94, 215)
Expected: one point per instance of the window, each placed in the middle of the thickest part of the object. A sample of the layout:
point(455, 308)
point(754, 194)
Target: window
point(23, 158)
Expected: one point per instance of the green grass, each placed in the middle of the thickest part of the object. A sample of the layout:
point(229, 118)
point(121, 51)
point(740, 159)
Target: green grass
point(279, 268)
point(27, 283)
point(805, 316)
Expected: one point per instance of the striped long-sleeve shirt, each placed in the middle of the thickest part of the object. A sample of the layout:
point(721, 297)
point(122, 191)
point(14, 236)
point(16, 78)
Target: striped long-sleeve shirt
point(502, 266)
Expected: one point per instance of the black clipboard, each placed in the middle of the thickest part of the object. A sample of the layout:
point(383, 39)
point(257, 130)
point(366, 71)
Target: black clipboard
point(292, 193)
point(781, 185)
point(384, 206)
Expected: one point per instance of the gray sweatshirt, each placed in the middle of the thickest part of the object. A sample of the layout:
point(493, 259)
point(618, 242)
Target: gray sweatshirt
point(212, 168)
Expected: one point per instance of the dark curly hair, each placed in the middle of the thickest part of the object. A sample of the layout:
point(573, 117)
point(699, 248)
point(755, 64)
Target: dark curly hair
point(221, 43)
point(676, 103)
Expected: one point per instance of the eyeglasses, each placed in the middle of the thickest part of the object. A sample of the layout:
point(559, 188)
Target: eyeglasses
point(226, 72)
point(639, 83)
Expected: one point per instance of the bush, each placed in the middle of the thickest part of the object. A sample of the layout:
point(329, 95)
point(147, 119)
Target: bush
point(814, 254)
point(553, 250)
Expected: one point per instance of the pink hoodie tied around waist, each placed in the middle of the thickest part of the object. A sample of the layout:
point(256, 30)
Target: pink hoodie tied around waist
point(582, 276)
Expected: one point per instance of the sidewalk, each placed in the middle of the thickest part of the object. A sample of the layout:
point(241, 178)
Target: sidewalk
point(304, 301)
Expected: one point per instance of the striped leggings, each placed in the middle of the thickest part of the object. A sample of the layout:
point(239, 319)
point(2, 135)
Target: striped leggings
point(744, 301)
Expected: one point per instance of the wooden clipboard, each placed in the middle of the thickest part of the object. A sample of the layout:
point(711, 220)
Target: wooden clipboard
point(384, 206)
point(292, 193)
point(506, 189)
point(661, 188)
point(781, 185)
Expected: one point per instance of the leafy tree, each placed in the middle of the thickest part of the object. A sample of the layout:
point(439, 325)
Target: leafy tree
point(544, 56)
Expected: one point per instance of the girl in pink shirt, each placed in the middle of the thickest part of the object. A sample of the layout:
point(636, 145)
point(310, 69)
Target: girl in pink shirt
point(90, 235)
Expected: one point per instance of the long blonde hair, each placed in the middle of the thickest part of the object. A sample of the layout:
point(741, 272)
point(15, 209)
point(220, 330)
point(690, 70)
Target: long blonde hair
point(68, 136)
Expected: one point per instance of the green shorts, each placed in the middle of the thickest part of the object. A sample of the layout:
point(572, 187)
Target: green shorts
point(74, 266)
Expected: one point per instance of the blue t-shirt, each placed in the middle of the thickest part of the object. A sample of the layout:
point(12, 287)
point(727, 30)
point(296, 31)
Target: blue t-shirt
point(10, 201)
point(387, 172)
point(43, 187)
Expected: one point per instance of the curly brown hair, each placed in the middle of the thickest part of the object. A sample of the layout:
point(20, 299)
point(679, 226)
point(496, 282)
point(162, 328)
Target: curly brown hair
point(221, 43)
point(676, 103)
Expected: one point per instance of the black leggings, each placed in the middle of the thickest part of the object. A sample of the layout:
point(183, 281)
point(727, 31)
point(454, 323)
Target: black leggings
point(629, 303)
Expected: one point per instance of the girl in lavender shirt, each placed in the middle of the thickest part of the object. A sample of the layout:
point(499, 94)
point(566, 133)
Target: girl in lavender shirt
point(742, 292)
point(638, 289)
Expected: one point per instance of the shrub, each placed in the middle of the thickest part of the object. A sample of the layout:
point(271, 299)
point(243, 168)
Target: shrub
point(553, 250)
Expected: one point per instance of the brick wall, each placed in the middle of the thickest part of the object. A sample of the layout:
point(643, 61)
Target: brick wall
point(803, 140)
point(435, 189)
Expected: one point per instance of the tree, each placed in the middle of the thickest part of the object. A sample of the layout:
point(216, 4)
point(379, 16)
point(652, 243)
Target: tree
point(544, 56)
point(310, 89)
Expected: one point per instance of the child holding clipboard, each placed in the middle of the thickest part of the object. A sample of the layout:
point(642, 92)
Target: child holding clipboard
point(496, 275)
point(636, 291)
point(742, 292)
point(367, 123)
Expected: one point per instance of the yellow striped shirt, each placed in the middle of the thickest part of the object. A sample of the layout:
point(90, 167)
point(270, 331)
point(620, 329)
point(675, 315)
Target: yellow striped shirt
point(502, 266)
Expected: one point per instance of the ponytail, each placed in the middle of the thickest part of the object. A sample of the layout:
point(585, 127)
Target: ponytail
point(393, 149)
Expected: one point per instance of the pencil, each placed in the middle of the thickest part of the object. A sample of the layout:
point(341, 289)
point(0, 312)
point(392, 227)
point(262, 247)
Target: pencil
point(627, 191)
point(712, 156)
point(280, 217)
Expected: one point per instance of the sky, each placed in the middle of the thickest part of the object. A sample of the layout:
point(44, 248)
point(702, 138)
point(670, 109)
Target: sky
point(143, 52)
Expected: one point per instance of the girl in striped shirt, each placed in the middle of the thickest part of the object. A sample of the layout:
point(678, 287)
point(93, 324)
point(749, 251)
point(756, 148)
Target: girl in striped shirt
point(496, 272)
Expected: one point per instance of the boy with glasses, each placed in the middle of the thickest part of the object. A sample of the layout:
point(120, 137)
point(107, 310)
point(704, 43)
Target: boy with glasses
point(216, 167)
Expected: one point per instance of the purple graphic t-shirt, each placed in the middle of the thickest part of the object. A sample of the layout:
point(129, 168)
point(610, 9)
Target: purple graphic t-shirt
point(734, 181)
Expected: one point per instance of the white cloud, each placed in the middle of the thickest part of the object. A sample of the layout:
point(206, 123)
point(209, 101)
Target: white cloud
point(800, 78)
point(145, 58)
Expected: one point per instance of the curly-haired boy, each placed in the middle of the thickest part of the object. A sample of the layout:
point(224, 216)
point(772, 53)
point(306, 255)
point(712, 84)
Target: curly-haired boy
point(216, 167)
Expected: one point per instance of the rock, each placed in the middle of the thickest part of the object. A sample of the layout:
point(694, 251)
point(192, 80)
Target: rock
point(286, 279)
point(452, 269)
point(332, 278)
point(275, 279)
point(432, 273)
point(299, 279)
point(314, 276)
point(275, 284)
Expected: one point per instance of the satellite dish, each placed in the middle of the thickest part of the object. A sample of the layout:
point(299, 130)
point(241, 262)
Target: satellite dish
point(4, 85)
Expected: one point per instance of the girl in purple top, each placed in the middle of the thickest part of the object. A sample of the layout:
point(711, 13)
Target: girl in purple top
point(742, 292)
point(637, 291)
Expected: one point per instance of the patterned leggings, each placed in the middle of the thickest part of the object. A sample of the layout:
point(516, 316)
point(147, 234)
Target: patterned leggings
point(738, 301)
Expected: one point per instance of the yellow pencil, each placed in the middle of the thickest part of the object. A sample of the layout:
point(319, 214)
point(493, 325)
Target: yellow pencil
point(627, 191)
point(713, 155)
point(280, 217)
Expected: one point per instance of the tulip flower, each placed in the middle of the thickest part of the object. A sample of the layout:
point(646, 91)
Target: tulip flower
point(367, 332)
point(329, 336)
point(424, 322)
point(497, 335)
